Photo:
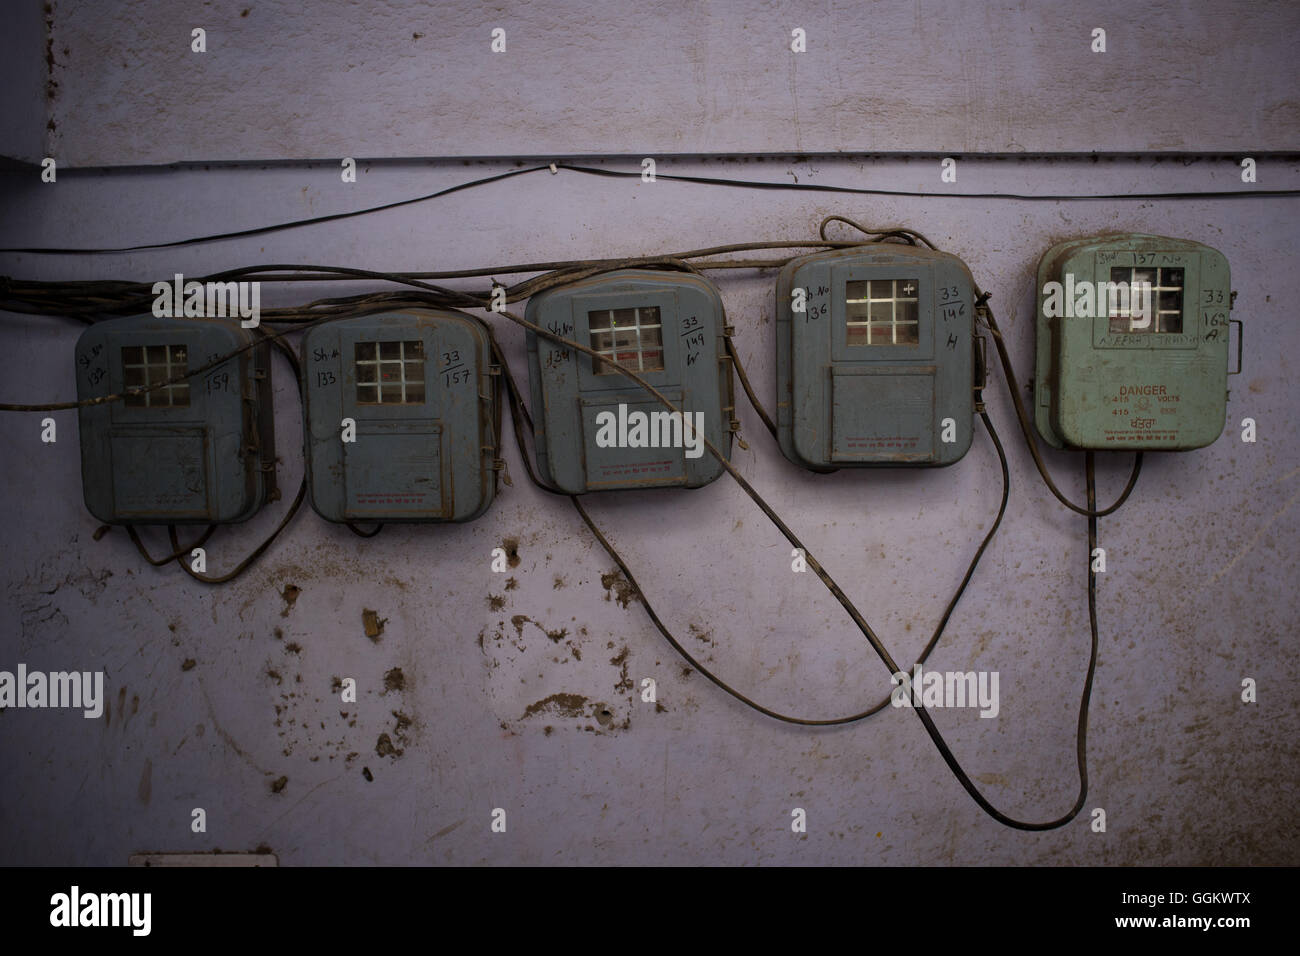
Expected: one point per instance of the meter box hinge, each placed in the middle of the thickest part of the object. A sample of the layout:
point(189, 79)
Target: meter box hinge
point(980, 356)
point(728, 365)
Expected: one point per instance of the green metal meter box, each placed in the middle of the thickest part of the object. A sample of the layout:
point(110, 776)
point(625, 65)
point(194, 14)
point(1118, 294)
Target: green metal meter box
point(875, 362)
point(200, 451)
point(401, 416)
point(597, 430)
point(1132, 344)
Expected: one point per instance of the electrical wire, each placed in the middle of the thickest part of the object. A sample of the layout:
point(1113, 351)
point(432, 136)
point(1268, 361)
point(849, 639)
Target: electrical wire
point(872, 638)
point(531, 286)
point(670, 177)
point(523, 422)
point(97, 298)
point(134, 535)
point(1022, 416)
point(278, 227)
point(913, 194)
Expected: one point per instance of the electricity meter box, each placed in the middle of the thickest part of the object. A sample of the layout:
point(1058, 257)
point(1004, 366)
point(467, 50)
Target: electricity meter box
point(596, 429)
point(199, 451)
point(421, 392)
point(1132, 344)
point(878, 369)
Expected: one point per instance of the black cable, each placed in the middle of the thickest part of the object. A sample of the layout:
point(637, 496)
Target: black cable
point(1081, 739)
point(860, 191)
point(1022, 416)
point(628, 174)
point(137, 295)
point(822, 722)
point(824, 576)
point(277, 227)
point(175, 555)
point(257, 552)
point(522, 421)
point(872, 638)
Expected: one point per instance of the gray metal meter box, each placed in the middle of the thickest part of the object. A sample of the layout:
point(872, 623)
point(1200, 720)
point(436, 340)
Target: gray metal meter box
point(596, 429)
point(200, 451)
point(1132, 348)
point(421, 394)
point(875, 364)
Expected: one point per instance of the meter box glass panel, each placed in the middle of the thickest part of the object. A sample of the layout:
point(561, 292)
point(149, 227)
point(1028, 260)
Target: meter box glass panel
point(200, 451)
point(596, 429)
point(1132, 344)
point(422, 392)
point(878, 367)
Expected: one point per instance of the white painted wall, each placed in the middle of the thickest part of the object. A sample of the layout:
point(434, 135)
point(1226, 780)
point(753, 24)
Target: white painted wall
point(332, 78)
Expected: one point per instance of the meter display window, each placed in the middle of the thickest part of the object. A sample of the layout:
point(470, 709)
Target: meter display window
point(390, 373)
point(632, 337)
point(1166, 290)
point(144, 365)
point(882, 312)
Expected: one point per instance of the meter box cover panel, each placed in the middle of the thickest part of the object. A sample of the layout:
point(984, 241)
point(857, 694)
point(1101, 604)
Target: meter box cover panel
point(596, 429)
point(422, 392)
point(878, 370)
point(199, 451)
point(1132, 344)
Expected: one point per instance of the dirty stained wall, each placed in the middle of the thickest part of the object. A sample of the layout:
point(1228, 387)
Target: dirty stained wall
point(521, 690)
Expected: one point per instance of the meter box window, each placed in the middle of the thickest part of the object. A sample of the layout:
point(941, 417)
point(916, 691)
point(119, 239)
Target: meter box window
point(1132, 344)
point(874, 358)
point(421, 393)
point(198, 451)
point(598, 430)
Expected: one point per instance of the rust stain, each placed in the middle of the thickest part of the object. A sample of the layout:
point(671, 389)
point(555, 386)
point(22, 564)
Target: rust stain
point(619, 588)
point(566, 705)
point(373, 623)
point(290, 596)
